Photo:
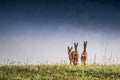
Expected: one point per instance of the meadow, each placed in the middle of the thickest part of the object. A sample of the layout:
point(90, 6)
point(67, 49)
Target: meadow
point(59, 72)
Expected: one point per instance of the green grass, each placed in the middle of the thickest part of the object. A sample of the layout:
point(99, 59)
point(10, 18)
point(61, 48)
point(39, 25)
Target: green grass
point(59, 72)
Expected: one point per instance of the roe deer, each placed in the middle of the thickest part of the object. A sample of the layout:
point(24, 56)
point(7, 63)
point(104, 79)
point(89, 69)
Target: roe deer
point(75, 54)
point(70, 55)
point(84, 54)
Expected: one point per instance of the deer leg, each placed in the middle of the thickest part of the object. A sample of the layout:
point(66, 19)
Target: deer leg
point(74, 61)
point(77, 62)
point(84, 62)
point(70, 62)
point(81, 62)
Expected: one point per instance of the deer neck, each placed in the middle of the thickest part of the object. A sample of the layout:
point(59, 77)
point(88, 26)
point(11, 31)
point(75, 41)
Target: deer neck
point(76, 50)
point(84, 49)
point(69, 53)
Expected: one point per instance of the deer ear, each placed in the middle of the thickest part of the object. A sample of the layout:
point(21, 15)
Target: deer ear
point(86, 42)
point(74, 44)
point(71, 48)
point(68, 48)
point(77, 44)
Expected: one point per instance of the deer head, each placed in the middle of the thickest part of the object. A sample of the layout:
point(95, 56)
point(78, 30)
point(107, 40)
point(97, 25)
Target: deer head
point(69, 50)
point(85, 45)
point(75, 46)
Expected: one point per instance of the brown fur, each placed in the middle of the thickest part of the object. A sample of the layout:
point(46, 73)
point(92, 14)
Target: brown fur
point(84, 54)
point(70, 55)
point(75, 54)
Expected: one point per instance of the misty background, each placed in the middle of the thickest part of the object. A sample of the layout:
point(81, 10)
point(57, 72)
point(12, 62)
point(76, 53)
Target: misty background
point(39, 31)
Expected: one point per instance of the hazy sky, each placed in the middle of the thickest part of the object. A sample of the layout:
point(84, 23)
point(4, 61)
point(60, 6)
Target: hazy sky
point(39, 31)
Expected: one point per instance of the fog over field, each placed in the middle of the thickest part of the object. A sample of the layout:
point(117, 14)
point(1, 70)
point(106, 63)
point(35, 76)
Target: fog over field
point(33, 31)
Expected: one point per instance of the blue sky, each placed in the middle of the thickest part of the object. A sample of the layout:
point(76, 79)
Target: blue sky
point(40, 31)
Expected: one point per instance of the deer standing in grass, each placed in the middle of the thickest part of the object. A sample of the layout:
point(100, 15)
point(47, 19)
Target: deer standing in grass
point(70, 55)
point(75, 54)
point(84, 54)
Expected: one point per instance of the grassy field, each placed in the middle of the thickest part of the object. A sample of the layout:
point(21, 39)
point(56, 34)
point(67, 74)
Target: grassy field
point(59, 72)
